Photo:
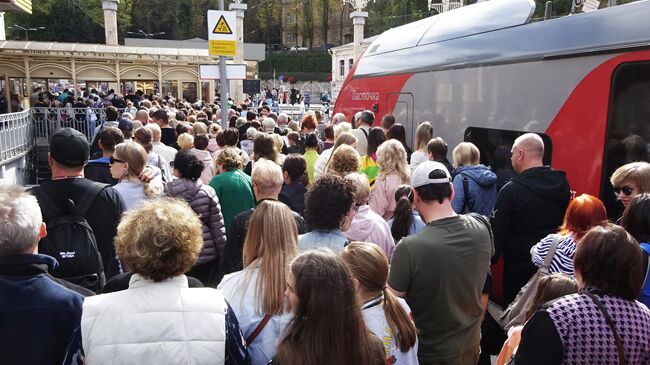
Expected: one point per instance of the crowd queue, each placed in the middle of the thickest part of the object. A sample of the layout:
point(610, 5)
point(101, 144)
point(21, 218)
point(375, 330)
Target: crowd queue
point(171, 240)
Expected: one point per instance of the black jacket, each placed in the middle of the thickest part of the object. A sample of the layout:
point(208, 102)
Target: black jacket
point(38, 315)
point(293, 195)
point(232, 256)
point(528, 208)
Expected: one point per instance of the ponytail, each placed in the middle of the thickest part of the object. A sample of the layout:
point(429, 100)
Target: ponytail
point(398, 321)
point(402, 218)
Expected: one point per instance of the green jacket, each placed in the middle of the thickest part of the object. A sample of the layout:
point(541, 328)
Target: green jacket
point(235, 191)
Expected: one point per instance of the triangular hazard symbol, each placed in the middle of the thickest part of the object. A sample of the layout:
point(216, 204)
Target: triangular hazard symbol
point(222, 27)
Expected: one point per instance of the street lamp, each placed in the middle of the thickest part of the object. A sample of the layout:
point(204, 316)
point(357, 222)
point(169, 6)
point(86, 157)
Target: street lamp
point(357, 4)
point(146, 35)
point(26, 30)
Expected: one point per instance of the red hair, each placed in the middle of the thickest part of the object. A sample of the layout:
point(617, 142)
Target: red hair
point(309, 122)
point(584, 212)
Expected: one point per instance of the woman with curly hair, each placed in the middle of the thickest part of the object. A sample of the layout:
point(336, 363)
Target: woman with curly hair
point(345, 160)
point(393, 172)
point(329, 210)
point(205, 203)
point(324, 158)
point(327, 326)
point(159, 319)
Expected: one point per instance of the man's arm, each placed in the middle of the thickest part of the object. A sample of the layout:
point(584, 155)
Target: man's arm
point(500, 220)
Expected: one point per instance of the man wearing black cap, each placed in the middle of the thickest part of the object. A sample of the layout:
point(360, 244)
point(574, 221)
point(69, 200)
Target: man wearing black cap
point(440, 271)
point(68, 155)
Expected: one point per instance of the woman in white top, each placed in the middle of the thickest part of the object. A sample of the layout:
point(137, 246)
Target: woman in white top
point(387, 316)
point(127, 163)
point(423, 134)
point(324, 158)
point(256, 294)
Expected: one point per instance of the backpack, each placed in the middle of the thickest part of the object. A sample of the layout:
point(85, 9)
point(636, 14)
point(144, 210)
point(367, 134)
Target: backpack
point(71, 241)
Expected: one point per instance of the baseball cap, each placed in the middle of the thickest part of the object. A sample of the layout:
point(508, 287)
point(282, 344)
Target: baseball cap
point(430, 172)
point(125, 123)
point(69, 147)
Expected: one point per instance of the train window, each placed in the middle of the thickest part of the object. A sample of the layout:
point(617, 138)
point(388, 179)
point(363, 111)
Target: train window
point(495, 146)
point(628, 126)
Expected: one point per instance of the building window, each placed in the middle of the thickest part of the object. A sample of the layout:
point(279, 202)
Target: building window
point(342, 67)
point(289, 19)
point(291, 38)
point(350, 63)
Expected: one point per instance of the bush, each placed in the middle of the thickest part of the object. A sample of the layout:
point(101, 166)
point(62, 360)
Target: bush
point(285, 63)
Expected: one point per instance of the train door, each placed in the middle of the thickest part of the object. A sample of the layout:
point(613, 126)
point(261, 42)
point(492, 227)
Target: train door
point(628, 128)
point(401, 105)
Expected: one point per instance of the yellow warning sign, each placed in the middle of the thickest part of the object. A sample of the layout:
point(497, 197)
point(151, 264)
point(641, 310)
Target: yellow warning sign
point(223, 48)
point(222, 27)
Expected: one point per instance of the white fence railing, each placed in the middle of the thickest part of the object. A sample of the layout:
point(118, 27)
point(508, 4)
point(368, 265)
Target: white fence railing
point(16, 135)
point(47, 120)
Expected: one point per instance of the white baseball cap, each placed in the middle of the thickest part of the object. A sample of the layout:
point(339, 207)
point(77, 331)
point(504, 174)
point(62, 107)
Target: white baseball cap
point(423, 174)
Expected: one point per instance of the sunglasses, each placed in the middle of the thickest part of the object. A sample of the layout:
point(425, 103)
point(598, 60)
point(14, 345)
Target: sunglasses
point(627, 190)
point(112, 160)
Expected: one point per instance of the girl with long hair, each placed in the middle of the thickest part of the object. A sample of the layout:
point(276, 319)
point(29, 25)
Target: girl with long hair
point(393, 172)
point(324, 158)
point(386, 315)
point(406, 221)
point(423, 135)
point(327, 326)
point(369, 165)
point(256, 294)
point(398, 132)
point(126, 164)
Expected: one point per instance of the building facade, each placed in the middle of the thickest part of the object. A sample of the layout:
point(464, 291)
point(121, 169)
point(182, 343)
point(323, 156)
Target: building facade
point(294, 25)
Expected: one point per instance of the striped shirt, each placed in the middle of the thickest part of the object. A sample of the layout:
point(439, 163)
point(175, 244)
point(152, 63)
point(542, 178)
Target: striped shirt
point(563, 258)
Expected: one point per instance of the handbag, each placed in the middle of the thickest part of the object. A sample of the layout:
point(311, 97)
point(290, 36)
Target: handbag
point(514, 314)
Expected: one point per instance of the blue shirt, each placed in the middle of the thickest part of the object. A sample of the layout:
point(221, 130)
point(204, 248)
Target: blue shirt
point(334, 240)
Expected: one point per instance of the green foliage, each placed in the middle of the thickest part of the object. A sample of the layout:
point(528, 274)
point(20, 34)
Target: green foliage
point(297, 62)
point(292, 77)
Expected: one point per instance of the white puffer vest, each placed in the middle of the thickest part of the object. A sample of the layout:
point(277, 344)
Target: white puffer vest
point(155, 323)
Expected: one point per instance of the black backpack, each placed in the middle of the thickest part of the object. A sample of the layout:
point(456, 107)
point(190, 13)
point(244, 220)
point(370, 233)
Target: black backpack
point(71, 241)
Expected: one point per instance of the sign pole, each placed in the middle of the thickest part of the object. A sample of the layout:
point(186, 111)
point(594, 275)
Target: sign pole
point(223, 82)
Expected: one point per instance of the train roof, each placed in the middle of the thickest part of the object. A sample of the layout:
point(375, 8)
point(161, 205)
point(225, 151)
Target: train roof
point(500, 31)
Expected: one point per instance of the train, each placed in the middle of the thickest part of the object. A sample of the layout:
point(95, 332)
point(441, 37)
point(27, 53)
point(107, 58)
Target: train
point(487, 73)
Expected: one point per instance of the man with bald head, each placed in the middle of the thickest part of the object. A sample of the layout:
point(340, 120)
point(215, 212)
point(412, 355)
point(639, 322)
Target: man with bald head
point(528, 208)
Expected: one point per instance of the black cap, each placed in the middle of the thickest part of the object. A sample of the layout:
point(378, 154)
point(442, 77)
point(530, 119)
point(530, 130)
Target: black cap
point(69, 147)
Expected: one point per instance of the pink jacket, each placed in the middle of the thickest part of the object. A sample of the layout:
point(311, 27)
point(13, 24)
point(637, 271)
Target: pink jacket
point(368, 226)
point(382, 197)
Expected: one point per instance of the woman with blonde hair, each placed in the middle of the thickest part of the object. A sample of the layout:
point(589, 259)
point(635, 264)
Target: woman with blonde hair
point(386, 315)
point(126, 164)
point(345, 160)
point(159, 319)
point(278, 143)
point(423, 135)
point(475, 185)
point(256, 293)
point(393, 172)
point(323, 158)
point(185, 141)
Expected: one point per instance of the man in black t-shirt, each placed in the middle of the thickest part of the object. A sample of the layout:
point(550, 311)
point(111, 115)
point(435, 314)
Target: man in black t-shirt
point(68, 154)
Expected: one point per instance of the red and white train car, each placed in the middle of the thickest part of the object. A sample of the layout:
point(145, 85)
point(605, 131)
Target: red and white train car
point(484, 73)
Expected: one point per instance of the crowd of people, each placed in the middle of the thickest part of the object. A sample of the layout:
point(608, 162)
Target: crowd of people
point(168, 239)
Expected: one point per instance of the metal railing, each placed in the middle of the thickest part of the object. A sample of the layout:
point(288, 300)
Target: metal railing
point(85, 120)
point(16, 135)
